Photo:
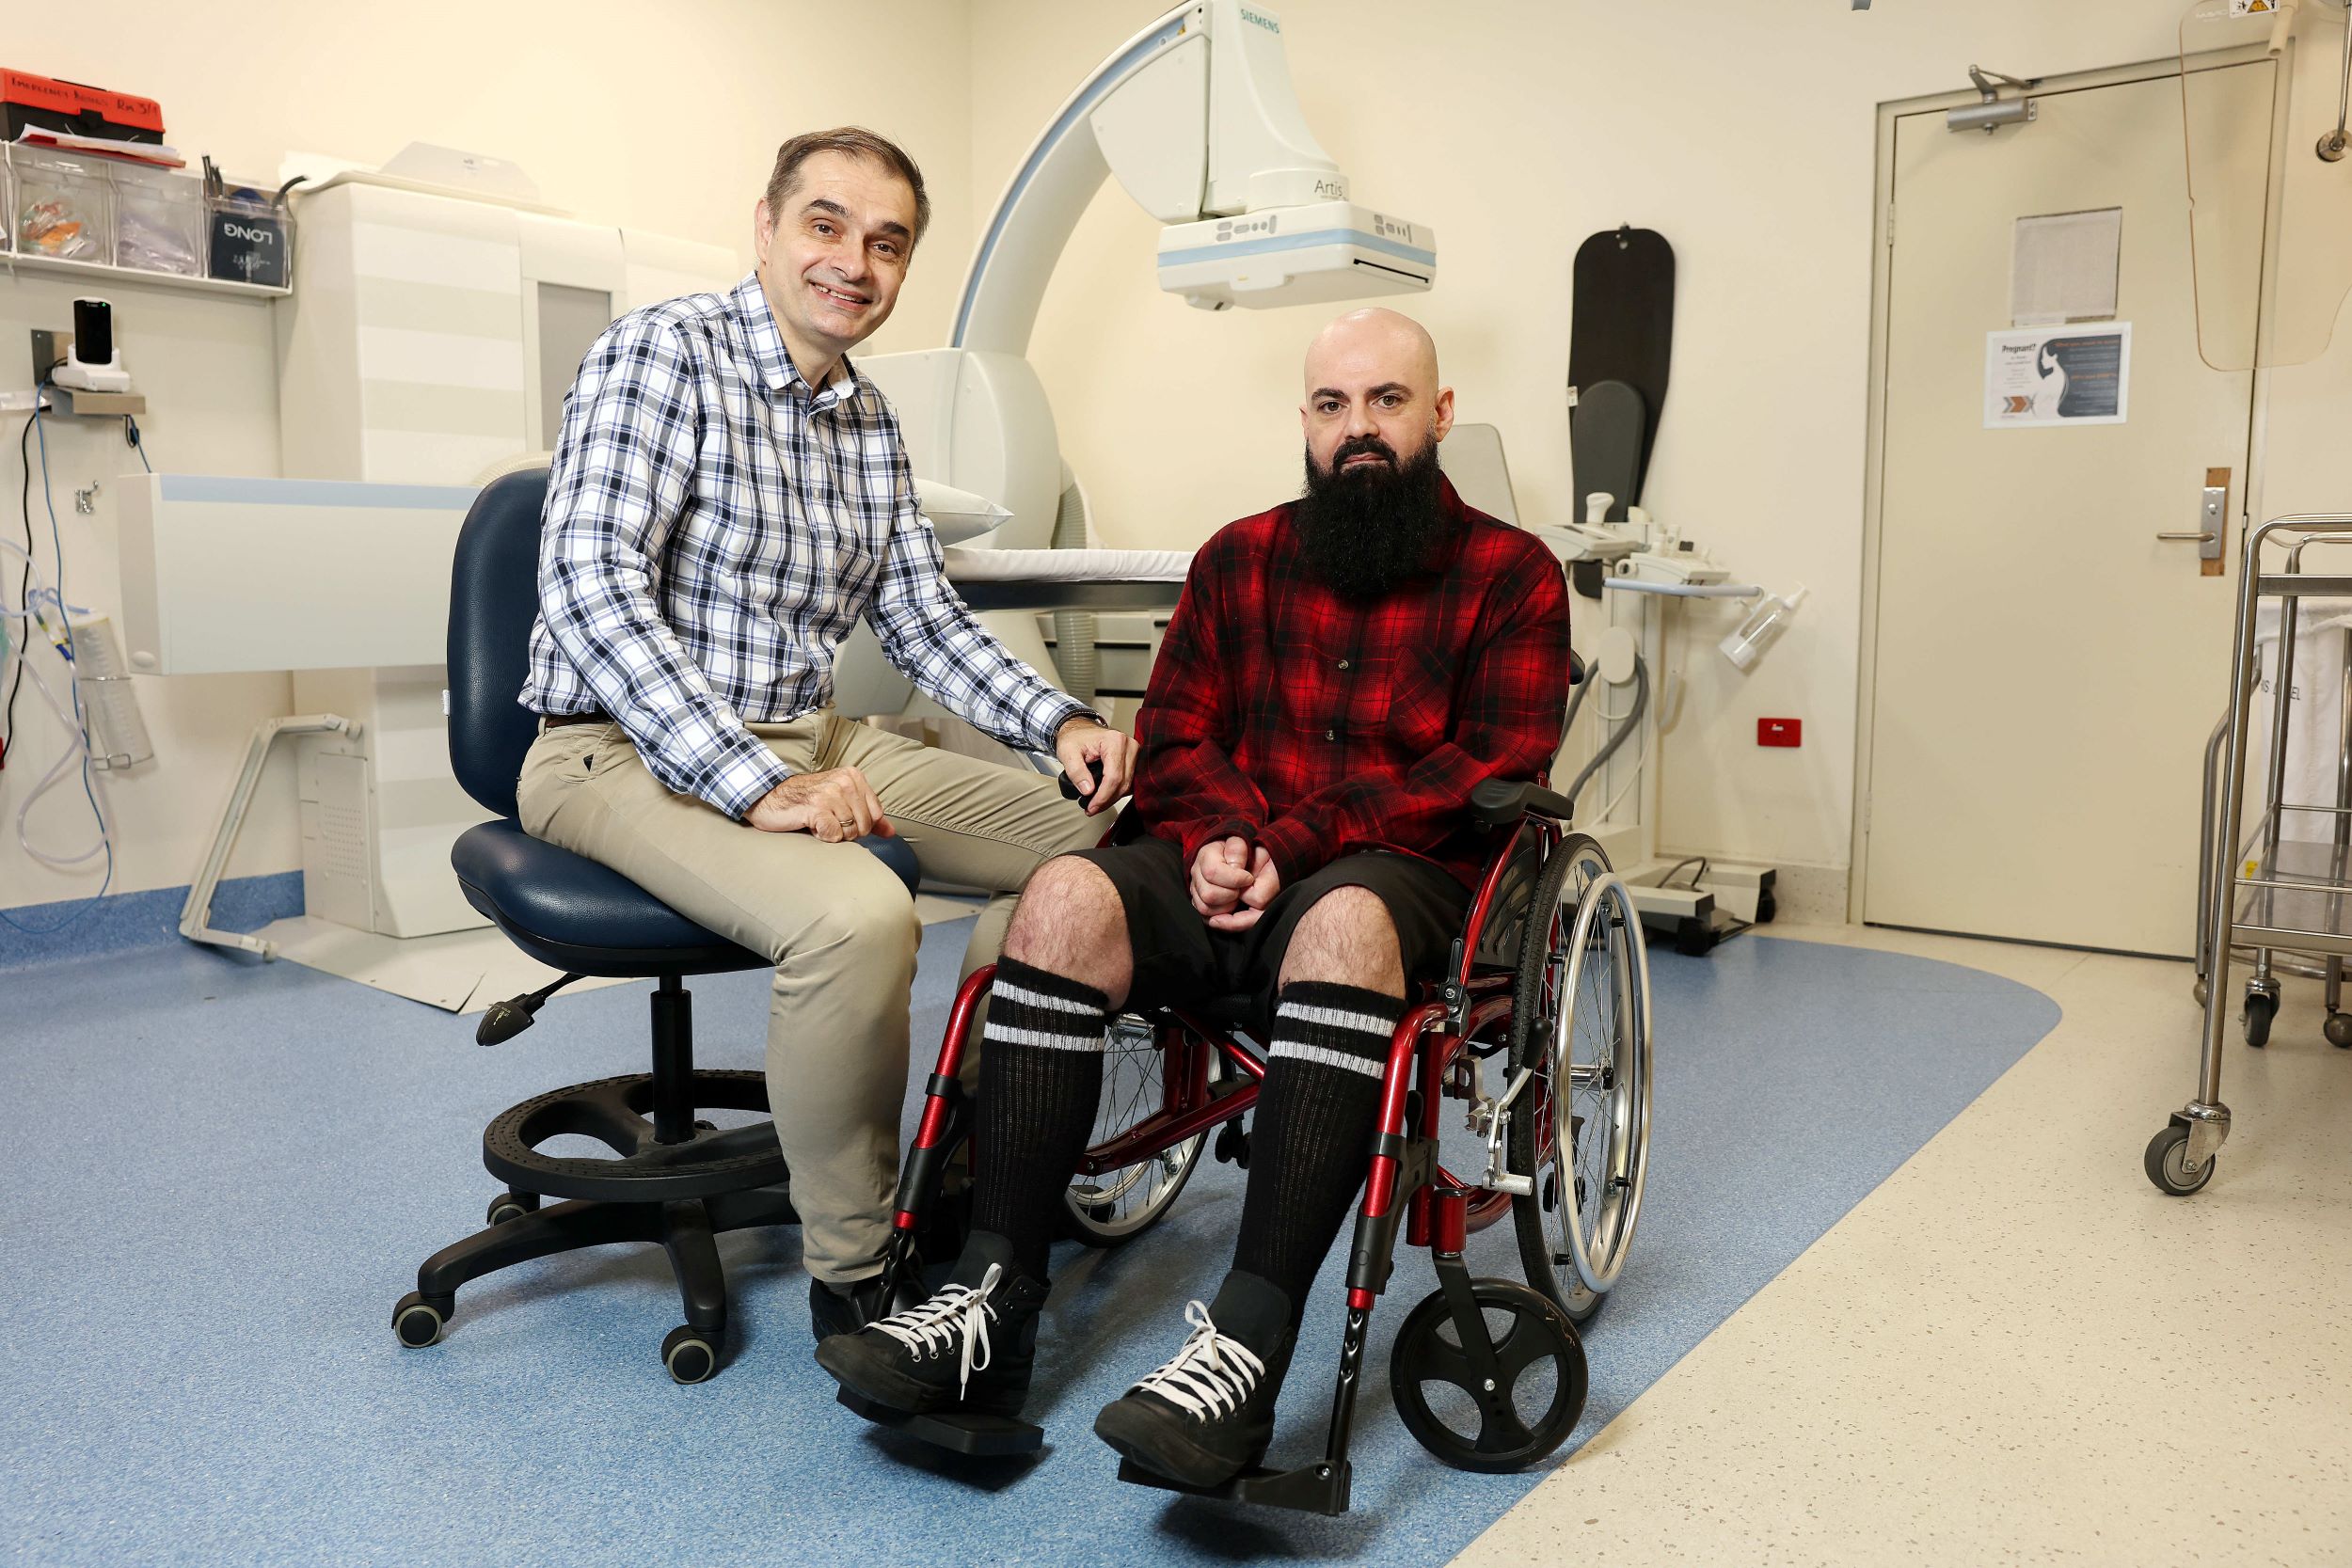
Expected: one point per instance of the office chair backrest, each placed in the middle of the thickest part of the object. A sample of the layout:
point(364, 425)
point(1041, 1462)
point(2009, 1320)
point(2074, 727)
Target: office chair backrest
point(493, 598)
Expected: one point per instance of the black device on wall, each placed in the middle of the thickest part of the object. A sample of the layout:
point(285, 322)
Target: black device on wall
point(93, 331)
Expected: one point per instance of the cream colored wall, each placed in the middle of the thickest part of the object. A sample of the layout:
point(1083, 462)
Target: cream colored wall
point(664, 119)
point(1741, 131)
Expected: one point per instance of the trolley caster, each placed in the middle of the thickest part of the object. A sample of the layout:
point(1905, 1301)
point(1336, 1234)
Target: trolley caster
point(417, 1319)
point(510, 1206)
point(2261, 1008)
point(690, 1354)
point(1503, 1433)
point(2339, 1030)
point(2200, 990)
point(2167, 1164)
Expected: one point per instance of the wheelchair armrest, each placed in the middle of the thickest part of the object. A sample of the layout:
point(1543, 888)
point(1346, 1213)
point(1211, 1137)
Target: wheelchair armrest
point(1499, 802)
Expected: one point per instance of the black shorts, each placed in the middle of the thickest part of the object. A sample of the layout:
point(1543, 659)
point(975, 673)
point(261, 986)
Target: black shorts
point(1179, 958)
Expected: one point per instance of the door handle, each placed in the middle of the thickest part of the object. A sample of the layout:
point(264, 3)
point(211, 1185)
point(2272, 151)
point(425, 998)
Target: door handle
point(2213, 511)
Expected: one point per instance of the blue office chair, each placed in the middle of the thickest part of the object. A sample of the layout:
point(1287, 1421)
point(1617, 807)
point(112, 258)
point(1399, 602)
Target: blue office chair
point(673, 1179)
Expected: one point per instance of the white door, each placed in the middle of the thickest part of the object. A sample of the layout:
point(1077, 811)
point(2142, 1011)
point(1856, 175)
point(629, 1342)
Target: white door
point(2046, 670)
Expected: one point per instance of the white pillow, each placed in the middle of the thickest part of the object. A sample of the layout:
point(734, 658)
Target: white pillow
point(956, 514)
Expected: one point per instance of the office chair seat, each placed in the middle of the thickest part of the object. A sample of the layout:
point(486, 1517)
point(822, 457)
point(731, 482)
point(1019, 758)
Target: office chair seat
point(573, 914)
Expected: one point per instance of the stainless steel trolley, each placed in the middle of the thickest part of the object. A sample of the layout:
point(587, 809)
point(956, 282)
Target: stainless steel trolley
point(2289, 901)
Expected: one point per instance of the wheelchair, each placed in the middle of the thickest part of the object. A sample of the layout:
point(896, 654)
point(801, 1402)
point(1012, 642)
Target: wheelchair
point(1549, 974)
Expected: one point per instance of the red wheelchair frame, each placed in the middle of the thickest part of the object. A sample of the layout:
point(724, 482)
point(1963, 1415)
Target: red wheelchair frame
point(1406, 1188)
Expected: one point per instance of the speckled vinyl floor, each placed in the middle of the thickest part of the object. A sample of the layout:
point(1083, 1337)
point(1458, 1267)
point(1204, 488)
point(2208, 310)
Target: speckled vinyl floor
point(2017, 1350)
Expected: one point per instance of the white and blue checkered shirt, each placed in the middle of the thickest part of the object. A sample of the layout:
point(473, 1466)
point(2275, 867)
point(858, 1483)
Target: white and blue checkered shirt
point(714, 529)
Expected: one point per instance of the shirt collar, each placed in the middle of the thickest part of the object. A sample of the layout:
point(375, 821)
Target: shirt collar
point(777, 371)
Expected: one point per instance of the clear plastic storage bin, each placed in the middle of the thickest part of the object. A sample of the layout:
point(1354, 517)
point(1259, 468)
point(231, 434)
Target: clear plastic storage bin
point(249, 238)
point(61, 207)
point(159, 221)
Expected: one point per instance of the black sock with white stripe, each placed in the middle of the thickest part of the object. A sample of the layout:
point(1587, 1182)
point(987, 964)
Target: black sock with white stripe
point(1040, 1078)
point(1311, 1144)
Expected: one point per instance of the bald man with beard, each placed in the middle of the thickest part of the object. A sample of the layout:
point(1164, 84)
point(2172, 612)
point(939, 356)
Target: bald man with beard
point(1339, 676)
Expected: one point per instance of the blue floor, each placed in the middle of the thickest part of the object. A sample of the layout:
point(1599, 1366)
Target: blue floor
point(220, 1174)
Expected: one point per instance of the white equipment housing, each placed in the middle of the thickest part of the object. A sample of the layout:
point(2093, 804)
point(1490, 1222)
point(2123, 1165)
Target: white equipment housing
point(1196, 118)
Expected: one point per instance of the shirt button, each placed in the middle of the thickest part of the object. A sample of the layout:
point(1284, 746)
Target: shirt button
point(1342, 664)
point(1330, 734)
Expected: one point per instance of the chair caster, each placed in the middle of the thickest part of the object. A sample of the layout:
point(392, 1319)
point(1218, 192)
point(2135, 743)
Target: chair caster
point(417, 1319)
point(964, 1432)
point(510, 1206)
point(2339, 1030)
point(690, 1354)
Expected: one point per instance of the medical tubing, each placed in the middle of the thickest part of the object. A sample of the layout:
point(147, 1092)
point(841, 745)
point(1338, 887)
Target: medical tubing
point(1631, 721)
point(75, 751)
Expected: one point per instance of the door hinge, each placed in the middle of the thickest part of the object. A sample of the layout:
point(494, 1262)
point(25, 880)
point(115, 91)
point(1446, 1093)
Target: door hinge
point(1890, 225)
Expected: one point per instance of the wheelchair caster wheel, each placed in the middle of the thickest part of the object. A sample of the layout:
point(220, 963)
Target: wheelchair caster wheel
point(2339, 1030)
point(510, 1206)
point(1232, 1145)
point(2260, 1010)
point(418, 1321)
point(2167, 1164)
point(690, 1354)
point(1515, 1417)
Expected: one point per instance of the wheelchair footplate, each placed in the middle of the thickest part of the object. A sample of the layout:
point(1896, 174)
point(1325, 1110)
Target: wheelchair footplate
point(964, 1431)
point(1317, 1488)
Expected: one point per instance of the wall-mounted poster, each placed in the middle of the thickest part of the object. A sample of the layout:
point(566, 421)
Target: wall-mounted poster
point(2057, 376)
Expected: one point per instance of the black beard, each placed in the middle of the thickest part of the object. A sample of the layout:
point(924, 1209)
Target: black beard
point(1366, 530)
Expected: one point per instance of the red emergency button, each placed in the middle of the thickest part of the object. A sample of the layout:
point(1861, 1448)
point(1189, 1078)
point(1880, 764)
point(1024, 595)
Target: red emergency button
point(1780, 732)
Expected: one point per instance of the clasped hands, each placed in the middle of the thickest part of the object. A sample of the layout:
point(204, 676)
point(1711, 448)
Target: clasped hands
point(1231, 883)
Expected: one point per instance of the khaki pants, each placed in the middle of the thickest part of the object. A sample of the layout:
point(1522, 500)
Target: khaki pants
point(835, 920)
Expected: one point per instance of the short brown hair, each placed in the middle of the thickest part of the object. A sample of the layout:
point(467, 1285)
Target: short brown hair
point(857, 142)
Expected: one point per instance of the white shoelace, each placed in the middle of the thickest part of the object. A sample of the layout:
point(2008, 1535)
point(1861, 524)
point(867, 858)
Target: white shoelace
point(1211, 1377)
point(958, 1312)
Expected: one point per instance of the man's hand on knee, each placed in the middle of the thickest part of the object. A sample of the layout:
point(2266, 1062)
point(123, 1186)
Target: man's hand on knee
point(1220, 874)
point(835, 805)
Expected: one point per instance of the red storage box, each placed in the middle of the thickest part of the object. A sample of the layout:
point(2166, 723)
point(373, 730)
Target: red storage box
point(75, 109)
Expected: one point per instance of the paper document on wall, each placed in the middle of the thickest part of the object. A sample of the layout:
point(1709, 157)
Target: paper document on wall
point(2057, 376)
point(2062, 267)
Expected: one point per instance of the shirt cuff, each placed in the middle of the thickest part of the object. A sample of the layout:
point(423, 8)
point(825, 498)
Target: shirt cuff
point(744, 779)
point(1199, 835)
point(1062, 713)
point(1293, 848)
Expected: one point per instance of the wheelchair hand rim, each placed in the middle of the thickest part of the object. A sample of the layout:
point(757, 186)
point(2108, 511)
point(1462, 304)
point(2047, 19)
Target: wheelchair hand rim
point(1632, 1138)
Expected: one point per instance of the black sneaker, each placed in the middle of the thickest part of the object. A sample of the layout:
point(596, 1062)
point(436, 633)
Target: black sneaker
point(1208, 1414)
point(846, 1309)
point(970, 1347)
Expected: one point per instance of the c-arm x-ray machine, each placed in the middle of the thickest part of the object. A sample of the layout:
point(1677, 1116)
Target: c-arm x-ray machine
point(1197, 118)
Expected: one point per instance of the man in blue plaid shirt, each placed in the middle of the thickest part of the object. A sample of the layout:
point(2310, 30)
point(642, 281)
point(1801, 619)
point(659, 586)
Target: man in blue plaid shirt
point(728, 498)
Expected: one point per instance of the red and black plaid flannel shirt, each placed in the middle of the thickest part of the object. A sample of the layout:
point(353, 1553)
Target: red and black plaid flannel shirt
point(1316, 726)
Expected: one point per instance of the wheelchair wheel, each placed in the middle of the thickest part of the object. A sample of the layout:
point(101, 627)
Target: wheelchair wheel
point(1116, 1205)
point(1473, 1423)
point(1579, 1130)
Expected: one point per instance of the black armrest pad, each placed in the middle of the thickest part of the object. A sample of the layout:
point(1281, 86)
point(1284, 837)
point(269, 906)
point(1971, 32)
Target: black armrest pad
point(1499, 802)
